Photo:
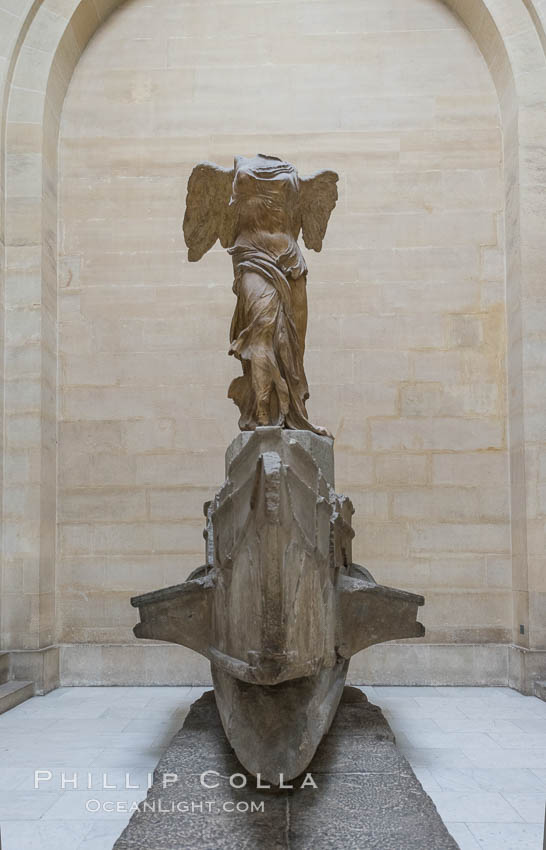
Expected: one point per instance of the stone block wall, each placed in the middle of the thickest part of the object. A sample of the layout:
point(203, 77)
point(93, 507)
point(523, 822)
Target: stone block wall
point(111, 437)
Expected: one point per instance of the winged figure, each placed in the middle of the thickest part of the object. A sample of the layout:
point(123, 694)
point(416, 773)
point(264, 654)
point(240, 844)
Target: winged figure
point(257, 210)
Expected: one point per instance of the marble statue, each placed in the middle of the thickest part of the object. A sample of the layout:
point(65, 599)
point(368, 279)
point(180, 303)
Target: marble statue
point(279, 606)
point(257, 210)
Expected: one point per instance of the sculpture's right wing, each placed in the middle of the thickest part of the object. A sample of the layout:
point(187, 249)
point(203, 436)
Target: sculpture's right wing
point(208, 215)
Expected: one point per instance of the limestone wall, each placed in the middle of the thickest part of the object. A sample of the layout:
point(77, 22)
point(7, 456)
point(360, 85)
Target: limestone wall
point(406, 341)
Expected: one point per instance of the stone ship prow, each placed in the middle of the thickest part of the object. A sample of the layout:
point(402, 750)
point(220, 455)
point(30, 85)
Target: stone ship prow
point(279, 607)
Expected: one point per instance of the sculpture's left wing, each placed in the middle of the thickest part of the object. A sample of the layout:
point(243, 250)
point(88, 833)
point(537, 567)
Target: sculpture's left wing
point(208, 215)
point(318, 196)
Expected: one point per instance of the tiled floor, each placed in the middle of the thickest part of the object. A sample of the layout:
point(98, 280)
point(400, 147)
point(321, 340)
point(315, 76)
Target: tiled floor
point(479, 752)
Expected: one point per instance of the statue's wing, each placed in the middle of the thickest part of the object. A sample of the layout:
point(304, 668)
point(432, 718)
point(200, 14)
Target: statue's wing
point(208, 215)
point(318, 196)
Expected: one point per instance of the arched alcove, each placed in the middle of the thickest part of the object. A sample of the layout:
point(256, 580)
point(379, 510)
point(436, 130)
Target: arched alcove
point(45, 49)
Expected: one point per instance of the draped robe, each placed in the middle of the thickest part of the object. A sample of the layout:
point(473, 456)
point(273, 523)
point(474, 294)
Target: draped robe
point(268, 327)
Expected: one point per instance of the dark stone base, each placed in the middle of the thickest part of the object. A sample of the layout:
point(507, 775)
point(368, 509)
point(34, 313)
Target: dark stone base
point(367, 797)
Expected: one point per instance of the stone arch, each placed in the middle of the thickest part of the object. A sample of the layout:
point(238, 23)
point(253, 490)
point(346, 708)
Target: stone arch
point(47, 38)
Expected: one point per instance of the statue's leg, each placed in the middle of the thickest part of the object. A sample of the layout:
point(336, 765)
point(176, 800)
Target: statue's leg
point(262, 385)
point(261, 307)
point(298, 289)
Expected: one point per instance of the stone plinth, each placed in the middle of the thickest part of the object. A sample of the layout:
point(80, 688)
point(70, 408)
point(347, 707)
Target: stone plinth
point(367, 795)
point(320, 449)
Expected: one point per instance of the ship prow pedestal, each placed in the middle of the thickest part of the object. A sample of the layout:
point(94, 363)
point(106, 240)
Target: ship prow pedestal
point(279, 606)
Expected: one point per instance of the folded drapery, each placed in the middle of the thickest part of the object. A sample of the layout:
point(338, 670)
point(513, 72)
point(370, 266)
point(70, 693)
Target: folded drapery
point(273, 388)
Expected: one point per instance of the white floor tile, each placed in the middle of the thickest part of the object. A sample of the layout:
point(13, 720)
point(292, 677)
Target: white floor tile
point(11, 778)
point(415, 692)
point(39, 707)
point(541, 775)
point(92, 727)
point(100, 692)
point(25, 805)
point(95, 805)
point(518, 739)
point(152, 726)
point(459, 722)
point(401, 724)
point(533, 725)
point(438, 706)
point(522, 758)
point(11, 722)
point(43, 835)
point(475, 807)
point(102, 836)
point(427, 780)
point(448, 740)
point(530, 807)
point(504, 709)
point(428, 757)
point(511, 780)
point(169, 694)
point(47, 757)
point(126, 759)
point(462, 836)
point(507, 836)
point(458, 692)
